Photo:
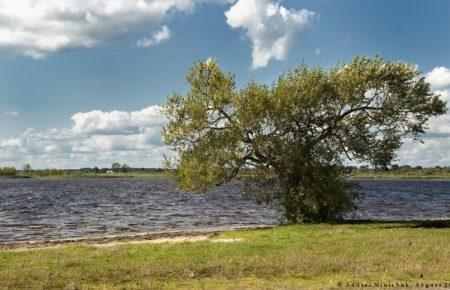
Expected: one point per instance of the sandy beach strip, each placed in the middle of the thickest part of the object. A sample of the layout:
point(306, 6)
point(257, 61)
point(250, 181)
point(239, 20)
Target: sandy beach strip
point(159, 237)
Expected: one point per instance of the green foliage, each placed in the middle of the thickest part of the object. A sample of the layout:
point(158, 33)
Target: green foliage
point(116, 167)
point(49, 172)
point(96, 173)
point(27, 170)
point(8, 171)
point(404, 171)
point(125, 168)
point(295, 134)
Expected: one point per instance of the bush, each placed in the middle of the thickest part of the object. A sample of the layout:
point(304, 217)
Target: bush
point(8, 171)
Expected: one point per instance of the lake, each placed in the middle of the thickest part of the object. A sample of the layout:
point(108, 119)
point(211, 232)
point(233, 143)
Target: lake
point(37, 209)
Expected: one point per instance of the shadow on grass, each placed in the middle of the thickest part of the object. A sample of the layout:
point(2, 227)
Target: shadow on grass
point(402, 224)
point(381, 224)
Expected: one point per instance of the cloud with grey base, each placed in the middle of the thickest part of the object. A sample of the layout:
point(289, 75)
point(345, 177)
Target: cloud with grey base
point(36, 28)
point(95, 138)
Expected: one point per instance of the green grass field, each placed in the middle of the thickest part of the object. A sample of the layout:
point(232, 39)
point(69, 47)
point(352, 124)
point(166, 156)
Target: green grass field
point(100, 175)
point(403, 175)
point(285, 257)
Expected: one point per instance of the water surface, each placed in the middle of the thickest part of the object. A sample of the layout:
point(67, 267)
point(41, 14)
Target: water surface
point(61, 208)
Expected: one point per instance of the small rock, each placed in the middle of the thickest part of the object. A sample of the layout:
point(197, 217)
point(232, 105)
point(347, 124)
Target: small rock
point(189, 273)
point(71, 286)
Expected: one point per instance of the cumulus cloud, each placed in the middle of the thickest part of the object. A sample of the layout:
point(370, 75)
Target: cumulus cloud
point(439, 77)
point(434, 150)
point(219, 1)
point(271, 27)
point(98, 122)
point(158, 37)
point(96, 138)
point(37, 28)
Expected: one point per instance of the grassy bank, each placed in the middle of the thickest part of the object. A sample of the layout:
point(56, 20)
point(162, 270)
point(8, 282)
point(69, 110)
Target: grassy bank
point(369, 175)
point(312, 256)
point(98, 175)
point(403, 172)
point(402, 175)
point(439, 174)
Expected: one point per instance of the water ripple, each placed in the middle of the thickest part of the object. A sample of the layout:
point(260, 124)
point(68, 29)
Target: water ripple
point(65, 208)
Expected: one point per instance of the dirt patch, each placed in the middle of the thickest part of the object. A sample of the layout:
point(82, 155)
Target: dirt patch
point(175, 240)
point(137, 238)
point(232, 240)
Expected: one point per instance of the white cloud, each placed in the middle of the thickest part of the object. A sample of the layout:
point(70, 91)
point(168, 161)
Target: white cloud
point(435, 149)
point(36, 28)
point(95, 138)
point(439, 77)
point(222, 2)
point(158, 37)
point(271, 27)
point(11, 113)
point(98, 122)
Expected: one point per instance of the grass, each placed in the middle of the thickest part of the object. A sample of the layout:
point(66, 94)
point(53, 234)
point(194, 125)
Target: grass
point(400, 176)
point(285, 257)
point(413, 174)
point(99, 175)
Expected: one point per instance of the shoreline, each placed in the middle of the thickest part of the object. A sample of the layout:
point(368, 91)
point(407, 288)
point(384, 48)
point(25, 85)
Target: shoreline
point(381, 177)
point(179, 236)
point(140, 237)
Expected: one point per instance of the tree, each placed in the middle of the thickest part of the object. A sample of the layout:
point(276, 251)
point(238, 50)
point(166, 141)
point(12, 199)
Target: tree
point(395, 167)
point(125, 168)
point(115, 167)
point(27, 169)
point(289, 141)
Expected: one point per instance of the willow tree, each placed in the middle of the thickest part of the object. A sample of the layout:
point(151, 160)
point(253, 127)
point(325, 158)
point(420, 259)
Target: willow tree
point(292, 138)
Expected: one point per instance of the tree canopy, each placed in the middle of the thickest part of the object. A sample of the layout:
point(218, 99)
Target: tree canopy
point(292, 138)
point(116, 167)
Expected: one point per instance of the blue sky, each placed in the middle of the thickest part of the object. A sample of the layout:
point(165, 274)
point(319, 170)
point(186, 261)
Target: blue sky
point(52, 68)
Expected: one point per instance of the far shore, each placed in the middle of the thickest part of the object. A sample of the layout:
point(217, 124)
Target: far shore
point(166, 176)
point(353, 172)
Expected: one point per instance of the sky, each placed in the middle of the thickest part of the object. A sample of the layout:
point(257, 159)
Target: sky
point(82, 81)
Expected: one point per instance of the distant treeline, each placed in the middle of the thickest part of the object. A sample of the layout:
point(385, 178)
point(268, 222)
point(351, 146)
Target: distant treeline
point(395, 171)
point(399, 171)
point(8, 171)
point(93, 171)
point(27, 171)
